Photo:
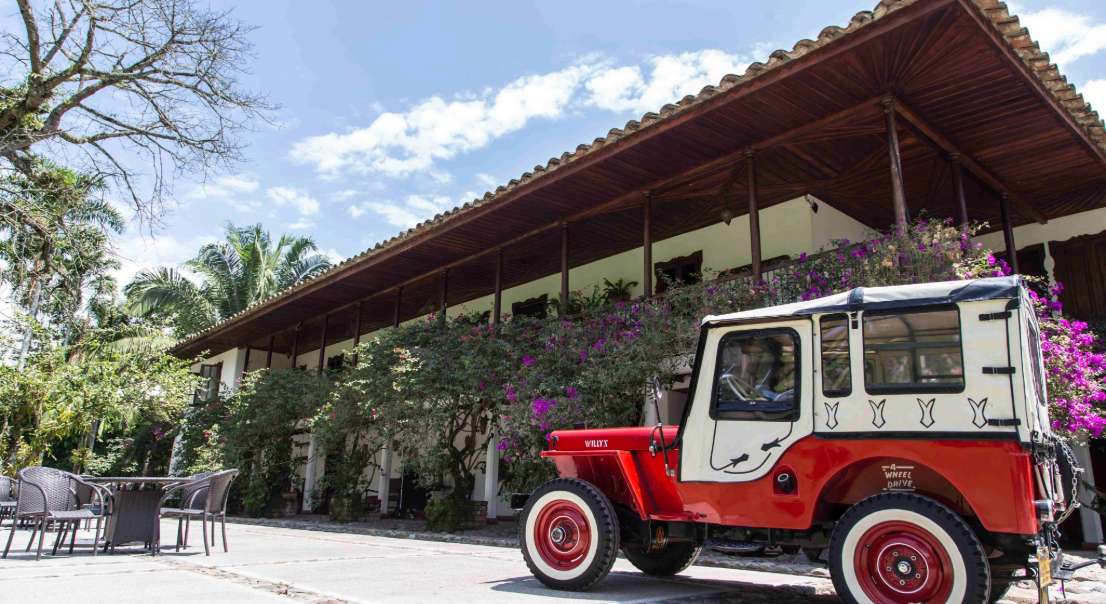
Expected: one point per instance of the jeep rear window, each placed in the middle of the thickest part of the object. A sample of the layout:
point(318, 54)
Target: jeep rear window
point(837, 377)
point(757, 375)
point(913, 351)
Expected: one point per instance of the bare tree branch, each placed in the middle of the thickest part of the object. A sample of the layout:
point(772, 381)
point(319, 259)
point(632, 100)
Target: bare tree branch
point(115, 77)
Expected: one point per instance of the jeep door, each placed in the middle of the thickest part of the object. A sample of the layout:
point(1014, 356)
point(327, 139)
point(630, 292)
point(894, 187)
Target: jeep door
point(752, 400)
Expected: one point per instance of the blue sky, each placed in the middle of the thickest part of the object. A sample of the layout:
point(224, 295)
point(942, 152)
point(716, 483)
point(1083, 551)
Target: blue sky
point(392, 112)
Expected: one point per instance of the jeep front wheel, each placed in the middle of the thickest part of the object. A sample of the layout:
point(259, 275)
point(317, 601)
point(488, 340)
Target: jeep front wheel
point(902, 547)
point(569, 534)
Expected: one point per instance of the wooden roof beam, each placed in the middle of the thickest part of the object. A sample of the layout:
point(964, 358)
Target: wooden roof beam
point(941, 142)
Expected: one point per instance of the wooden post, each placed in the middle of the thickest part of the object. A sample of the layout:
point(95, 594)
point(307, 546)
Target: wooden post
point(395, 310)
point(296, 344)
point(958, 185)
point(444, 293)
point(269, 354)
point(322, 344)
point(564, 268)
point(497, 303)
point(754, 212)
point(246, 361)
point(356, 333)
point(898, 191)
point(647, 245)
point(1008, 232)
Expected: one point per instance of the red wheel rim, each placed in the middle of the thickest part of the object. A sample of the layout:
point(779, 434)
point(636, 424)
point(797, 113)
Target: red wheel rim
point(562, 534)
point(900, 562)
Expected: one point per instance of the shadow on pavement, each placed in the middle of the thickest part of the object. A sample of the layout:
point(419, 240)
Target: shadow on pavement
point(634, 587)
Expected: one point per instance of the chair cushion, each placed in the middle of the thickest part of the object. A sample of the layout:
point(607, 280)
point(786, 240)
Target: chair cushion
point(181, 512)
point(7, 504)
point(72, 515)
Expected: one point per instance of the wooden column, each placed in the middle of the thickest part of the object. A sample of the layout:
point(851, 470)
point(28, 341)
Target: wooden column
point(395, 309)
point(647, 245)
point(269, 354)
point(958, 185)
point(246, 361)
point(754, 212)
point(898, 191)
point(322, 344)
point(564, 268)
point(356, 332)
point(443, 293)
point(296, 344)
point(1008, 232)
point(497, 299)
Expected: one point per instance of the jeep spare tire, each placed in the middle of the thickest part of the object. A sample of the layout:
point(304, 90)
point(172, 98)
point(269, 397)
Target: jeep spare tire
point(569, 534)
point(904, 547)
point(673, 559)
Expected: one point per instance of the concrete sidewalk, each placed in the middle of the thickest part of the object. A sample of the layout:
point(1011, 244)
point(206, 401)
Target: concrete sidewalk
point(269, 564)
point(273, 564)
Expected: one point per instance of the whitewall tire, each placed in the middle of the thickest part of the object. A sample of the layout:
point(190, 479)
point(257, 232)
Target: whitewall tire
point(569, 534)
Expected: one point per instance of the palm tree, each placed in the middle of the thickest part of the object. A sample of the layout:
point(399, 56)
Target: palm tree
point(233, 275)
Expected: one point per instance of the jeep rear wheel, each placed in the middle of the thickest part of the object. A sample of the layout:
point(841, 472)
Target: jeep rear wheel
point(896, 548)
point(569, 534)
point(673, 559)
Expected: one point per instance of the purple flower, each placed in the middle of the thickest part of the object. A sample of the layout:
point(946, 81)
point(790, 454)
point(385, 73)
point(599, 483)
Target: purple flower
point(527, 360)
point(541, 406)
point(571, 392)
point(510, 392)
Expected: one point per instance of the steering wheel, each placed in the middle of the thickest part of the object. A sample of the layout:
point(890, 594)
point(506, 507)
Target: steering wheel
point(737, 385)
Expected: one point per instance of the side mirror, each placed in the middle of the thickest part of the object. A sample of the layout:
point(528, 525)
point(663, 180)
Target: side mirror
point(658, 389)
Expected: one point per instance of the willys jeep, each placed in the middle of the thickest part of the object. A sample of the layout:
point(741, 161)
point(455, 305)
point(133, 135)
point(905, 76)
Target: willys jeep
point(899, 433)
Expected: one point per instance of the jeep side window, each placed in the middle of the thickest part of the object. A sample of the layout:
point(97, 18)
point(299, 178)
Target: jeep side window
point(913, 351)
point(757, 375)
point(837, 376)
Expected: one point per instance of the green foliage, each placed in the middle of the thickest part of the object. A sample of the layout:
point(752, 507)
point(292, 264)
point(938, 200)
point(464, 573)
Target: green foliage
point(448, 514)
point(244, 269)
point(253, 429)
point(64, 399)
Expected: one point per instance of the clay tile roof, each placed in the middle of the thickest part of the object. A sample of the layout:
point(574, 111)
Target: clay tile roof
point(995, 11)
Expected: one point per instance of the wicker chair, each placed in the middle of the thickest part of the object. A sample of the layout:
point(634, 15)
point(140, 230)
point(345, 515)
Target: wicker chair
point(49, 495)
point(7, 498)
point(193, 494)
point(207, 501)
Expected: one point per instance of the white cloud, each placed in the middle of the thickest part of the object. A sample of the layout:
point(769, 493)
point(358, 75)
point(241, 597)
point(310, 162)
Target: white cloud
point(333, 255)
point(1094, 92)
point(226, 186)
point(305, 204)
point(487, 180)
point(1066, 36)
point(669, 78)
point(398, 144)
point(137, 252)
point(302, 224)
point(404, 214)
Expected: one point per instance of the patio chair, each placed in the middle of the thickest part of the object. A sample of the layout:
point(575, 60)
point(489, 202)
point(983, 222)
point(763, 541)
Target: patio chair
point(7, 498)
point(208, 502)
point(193, 494)
point(49, 495)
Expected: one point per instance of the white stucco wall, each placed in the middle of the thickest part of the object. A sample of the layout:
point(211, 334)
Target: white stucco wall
point(1058, 229)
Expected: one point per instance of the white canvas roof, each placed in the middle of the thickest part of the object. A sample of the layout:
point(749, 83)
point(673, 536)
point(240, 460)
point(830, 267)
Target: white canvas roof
point(895, 296)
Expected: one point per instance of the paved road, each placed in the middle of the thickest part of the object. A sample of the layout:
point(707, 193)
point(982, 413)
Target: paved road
point(288, 565)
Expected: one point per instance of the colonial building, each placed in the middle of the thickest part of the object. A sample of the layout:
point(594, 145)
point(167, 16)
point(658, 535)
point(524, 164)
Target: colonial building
point(934, 107)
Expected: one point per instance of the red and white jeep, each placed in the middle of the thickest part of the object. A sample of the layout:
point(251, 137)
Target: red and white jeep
point(901, 433)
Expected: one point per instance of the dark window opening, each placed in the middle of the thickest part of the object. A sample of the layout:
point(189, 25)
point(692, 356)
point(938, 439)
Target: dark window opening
point(208, 389)
point(837, 377)
point(535, 308)
point(685, 270)
point(757, 375)
point(916, 351)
